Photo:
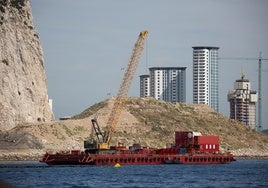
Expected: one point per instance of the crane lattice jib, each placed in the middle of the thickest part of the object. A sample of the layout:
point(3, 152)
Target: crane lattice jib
point(125, 84)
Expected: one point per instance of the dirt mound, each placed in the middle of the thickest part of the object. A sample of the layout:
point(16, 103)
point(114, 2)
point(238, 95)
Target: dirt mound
point(143, 120)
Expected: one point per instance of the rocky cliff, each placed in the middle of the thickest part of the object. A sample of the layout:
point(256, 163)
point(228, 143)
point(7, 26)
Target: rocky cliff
point(23, 89)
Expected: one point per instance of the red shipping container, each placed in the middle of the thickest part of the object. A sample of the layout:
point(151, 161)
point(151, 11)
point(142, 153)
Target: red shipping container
point(208, 147)
point(207, 143)
point(206, 140)
point(183, 138)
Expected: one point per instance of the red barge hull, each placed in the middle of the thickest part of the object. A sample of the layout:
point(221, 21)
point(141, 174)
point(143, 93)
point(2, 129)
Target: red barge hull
point(189, 148)
point(135, 159)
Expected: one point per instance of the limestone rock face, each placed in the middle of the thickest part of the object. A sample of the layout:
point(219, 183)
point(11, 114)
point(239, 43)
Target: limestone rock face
point(23, 89)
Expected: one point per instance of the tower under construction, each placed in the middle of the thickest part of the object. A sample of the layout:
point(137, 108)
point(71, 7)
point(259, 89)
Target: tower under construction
point(243, 102)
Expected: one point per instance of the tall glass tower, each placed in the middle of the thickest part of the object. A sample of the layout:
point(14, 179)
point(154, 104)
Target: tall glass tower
point(206, 76)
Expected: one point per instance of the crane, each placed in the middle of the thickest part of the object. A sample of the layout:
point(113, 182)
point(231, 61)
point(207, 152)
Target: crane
point(104, 137)
point(259, 59)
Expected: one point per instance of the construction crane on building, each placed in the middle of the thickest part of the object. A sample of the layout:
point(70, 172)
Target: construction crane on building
point(259, 59)
point(104, 137)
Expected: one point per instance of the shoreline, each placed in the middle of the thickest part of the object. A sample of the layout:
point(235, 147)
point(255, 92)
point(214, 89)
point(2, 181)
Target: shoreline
point(250, 157)
point(37, 154)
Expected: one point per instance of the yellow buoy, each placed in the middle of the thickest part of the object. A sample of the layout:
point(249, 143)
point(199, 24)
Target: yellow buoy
point(117, 165)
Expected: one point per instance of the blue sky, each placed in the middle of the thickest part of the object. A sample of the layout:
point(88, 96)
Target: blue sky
point(86, 44)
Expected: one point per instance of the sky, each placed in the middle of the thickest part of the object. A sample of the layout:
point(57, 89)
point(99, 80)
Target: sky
point(87, 44)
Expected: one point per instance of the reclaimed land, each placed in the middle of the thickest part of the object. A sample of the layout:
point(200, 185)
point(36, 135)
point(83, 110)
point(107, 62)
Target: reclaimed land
point(143, 120)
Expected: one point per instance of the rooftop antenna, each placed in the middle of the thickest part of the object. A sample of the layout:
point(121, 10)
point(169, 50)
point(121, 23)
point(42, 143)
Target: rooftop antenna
point(242, 73)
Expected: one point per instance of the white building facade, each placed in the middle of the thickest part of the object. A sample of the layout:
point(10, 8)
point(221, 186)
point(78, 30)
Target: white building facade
point(206, 76)
point(145, 86)
point(166, 83)
point(243, 103)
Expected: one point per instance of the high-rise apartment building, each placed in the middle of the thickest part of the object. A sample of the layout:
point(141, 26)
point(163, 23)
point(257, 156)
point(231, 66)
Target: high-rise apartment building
point(243, 102)
point(145, 86)
point(166, 83)
point(206, 76)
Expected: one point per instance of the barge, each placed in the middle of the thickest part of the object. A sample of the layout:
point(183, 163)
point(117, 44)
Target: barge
point(189, 148)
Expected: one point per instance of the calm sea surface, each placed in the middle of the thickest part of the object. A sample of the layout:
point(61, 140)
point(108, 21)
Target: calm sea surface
point(241, 173)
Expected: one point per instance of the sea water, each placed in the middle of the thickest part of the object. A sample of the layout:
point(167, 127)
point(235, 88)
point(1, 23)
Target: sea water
point(241, 173)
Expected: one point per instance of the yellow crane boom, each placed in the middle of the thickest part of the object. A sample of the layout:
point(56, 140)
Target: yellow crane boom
point(123, 91)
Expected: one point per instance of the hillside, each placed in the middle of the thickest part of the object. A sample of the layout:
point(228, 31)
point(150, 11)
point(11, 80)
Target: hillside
point(143, 120)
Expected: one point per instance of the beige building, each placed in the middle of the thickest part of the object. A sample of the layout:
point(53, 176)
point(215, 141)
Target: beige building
point(243, 102)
